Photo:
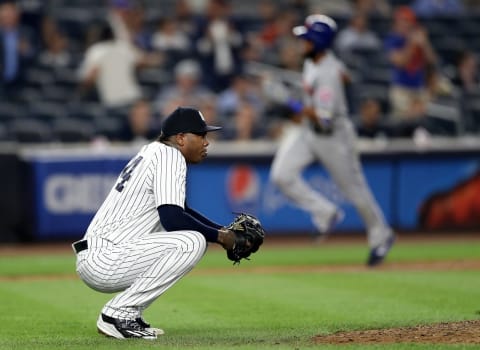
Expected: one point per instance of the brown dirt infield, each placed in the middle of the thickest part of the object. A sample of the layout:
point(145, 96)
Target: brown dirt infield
point(465, 332)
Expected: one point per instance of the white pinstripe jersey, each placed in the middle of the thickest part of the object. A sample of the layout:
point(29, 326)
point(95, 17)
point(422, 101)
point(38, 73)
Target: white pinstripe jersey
point(324, 88)
point(155, 176)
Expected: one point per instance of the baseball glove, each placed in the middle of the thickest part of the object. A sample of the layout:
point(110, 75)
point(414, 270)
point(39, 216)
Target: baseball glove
point(249, 235)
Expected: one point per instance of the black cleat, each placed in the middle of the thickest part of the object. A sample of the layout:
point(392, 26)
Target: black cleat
point(123, 329)
point(378, 254)
point(146, 325)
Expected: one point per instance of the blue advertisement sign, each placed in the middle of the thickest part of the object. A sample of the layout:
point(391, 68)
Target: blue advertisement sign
point(439, 193)
point(413, 193)
point(68, 193)
point(223, 189)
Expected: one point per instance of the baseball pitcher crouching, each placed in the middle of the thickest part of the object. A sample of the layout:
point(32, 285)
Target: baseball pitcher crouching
point(144, 237)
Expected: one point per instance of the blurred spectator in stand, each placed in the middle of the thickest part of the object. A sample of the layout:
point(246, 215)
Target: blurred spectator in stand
point(242, 89)
point(443, 104)
point(171, 40)
point(210, 114)
point(268, 12)
point(240, 108)
point(33, 13)
point(370, 123)
point(183, 16)
point(274, 21)
point(141, 35)
point(432, 8)
point(288, 56)
point(299, 7)
point(438, 113)
point(56, 53)
point(170, 37)
point(111, 65)
point(357, 35)
point(437, 84)
point(337, 8)
point(16, 48)
point(466, 76)
point(219, 45)
point(140, 125)
point(242, 125)
point(276, 33)
point(472, 6)
point(250, 53)
point(379, 8)
point(122, 17)
point(410, 52)
point(127, 18)
point(254, 47)
point(186, 90)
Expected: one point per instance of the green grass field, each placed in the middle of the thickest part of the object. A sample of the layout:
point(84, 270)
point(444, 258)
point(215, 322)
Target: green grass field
point(278, 300)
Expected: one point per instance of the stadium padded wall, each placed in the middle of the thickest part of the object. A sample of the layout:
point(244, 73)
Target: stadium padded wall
point(416, 190)
point(14, 193)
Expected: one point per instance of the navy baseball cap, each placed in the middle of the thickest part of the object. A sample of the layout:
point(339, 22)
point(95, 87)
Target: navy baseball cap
point(185, 119)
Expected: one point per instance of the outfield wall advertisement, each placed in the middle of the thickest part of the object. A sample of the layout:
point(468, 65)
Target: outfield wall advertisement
point(413, 192)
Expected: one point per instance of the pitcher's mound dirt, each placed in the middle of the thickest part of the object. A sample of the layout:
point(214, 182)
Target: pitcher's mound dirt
point(465, 332)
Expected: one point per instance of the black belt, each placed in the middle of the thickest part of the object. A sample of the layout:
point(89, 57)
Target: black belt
point(322, 131)
point(80, 246)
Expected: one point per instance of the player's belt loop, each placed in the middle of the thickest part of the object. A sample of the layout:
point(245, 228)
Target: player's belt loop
point(80, 246)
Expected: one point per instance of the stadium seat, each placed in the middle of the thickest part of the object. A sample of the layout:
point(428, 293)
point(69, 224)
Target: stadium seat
point(380, 25)
point(85, 111)
point(72, 130)
point(448, 47)
point(354, 62)
point(469, 26)
point(66, 77)
point(109, 127)
point(29, 130)
point(375, 91)
point(367, 53)
point(436, 28)
point(56, 94)
point(37, 77)
point(154, 77)
point(443, 116)
point(448, 24)
point(46, 111)
point(377, 76)
point(29, 95)
point(3, 133)
point(471, 113)
point(11, 111)
point(74, 20)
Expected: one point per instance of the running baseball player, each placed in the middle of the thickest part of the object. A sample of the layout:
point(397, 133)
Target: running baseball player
point(326, 134)
point(144, 237)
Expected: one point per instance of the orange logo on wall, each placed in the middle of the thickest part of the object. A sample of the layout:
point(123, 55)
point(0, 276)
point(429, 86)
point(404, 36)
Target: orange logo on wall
point(458, 207)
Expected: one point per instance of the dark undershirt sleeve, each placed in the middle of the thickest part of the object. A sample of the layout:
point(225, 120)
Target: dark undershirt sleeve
point(201, 218)
point(174, 218)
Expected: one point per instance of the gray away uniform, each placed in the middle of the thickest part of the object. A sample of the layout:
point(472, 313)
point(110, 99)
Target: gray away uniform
point(324, 91)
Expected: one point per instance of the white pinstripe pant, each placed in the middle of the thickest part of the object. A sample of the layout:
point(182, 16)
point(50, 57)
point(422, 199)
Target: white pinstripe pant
point(143, 269)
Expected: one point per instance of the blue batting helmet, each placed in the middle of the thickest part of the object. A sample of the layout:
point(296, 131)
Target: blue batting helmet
point(319, 29)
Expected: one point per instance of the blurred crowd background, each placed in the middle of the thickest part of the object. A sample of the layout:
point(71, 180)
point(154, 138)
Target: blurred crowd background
point(89, 70)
